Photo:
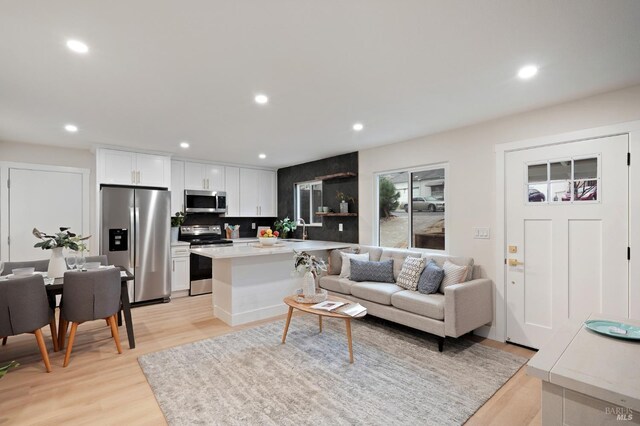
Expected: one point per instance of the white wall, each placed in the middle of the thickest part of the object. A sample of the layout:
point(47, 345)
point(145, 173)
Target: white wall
point(54, 156)
point(472, 165)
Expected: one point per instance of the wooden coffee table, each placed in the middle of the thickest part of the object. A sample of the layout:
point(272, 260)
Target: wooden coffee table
point(306, 307)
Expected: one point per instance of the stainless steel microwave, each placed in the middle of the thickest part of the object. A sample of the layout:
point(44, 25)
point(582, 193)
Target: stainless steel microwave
point(205, 201)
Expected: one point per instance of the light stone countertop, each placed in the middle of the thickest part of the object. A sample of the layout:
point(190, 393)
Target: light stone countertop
point(252, 250)
point(180, 243)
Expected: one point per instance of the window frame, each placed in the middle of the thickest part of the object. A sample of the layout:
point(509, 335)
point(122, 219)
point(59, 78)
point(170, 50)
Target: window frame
point(296, 204)
point(410, 196)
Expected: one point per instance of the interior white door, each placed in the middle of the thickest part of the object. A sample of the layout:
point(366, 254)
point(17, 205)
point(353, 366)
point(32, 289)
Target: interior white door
point(567, 209)
point(45, 200)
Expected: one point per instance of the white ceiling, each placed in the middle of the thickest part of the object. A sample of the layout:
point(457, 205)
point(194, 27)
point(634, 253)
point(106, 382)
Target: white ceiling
point(164, 71)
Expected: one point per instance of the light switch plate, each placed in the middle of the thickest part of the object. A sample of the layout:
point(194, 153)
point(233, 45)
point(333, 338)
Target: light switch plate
point(253, 225)
point(481, 233)
point(340, 227)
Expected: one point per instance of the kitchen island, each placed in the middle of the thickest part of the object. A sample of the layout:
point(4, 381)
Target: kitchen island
point(250, 282)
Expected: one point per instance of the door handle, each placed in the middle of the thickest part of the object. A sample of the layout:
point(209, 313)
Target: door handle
point(514, 262)
point(137, 236)
point(132, 230)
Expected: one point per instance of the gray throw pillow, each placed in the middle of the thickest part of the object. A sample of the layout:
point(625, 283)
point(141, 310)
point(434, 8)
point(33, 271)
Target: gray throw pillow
point(362, 270)
point(431, 278)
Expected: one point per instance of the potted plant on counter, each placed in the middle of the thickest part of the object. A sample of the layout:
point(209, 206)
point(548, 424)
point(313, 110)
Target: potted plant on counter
point(176, 222)
point(284, 226)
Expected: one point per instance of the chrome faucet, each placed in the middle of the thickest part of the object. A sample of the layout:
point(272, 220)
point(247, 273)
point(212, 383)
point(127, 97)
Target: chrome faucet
point(304, 228)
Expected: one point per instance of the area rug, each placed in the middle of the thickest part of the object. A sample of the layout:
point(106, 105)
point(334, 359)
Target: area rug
point(398, 377)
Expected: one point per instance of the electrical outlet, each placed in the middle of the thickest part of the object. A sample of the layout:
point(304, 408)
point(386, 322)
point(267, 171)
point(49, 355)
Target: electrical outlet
point(226, 225)
point(481, 233)
point(340, 227)
point(253, 225)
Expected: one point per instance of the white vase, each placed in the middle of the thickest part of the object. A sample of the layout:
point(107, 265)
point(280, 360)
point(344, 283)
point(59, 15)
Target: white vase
point(174, 233)
point(344, 207)
point(57, 264)
point(308, 284)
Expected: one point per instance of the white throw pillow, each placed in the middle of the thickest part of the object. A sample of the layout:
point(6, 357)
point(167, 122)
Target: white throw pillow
point(345, 272)
point(453, 274)
point(410, 273)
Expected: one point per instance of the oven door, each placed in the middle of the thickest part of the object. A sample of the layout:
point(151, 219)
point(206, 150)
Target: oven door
point(200, 201)
point(201, 274)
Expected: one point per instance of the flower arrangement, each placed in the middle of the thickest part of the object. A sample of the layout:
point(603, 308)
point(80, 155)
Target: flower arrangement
point(63, 239)
point(343, 198)
point(268, 233)
point(285, 225)
point(305, 262)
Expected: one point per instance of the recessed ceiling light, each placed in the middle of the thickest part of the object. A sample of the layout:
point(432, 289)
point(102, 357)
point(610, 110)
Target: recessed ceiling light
point(184, 145)
point(77, 46)
point(527, 72)
point(358, 126)
point(261, 99)
point(262, 156)
point(71, 128)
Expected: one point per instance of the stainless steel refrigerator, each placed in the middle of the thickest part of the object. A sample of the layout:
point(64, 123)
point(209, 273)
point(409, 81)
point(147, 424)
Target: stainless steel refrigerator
point(136, 234)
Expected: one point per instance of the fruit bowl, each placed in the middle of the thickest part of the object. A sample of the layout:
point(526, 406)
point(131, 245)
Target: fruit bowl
point(268, 241)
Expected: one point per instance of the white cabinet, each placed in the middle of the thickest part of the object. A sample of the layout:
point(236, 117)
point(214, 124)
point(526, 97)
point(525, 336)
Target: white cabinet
point(204, 176)
point(232, 188)
point(132, 168)
point(180, 268)
point(177, 186)
point(257, 193)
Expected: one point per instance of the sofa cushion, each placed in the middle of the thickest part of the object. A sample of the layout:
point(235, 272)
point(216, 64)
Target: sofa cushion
point(456, 260)
point(336, 284)
point(374, 252)
point(335, 260)
point(453, 274)
point(410, 273)
point(398, 257)
point(345, 272)
point(431, 278)
point(375, 292)
point(428, 305)
point(381, 272)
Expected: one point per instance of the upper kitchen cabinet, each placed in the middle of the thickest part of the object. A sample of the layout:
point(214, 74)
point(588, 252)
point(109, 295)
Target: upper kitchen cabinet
point(257, 193)
point(177, 186)
point(132, 168)
point(204, 176)
point(232, 188)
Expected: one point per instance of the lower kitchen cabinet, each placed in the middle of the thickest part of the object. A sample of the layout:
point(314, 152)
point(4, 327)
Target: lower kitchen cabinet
point(180, 269)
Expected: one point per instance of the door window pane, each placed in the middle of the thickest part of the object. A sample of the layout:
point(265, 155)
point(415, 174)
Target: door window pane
point(585, 169)
point(537, 173)
point(560, 191)
point(538, 193)
point(561, 170)
point(427, 209)
point(393, 199)
point(585, 190)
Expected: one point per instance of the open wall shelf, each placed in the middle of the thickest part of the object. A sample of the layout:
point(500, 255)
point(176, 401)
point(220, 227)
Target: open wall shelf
point(337, 176)
point(336, 214)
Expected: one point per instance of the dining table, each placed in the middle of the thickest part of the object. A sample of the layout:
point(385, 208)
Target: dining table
point(55, 288)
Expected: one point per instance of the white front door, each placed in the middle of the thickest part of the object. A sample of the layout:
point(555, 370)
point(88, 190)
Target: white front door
point(567, 211)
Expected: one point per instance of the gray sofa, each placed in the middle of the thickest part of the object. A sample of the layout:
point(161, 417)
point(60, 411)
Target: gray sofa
point(462, 308)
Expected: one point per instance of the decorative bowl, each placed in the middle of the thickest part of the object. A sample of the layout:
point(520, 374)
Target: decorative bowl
point(23, 272)
point(321, 296)
point(268, 241)
point(91, 265)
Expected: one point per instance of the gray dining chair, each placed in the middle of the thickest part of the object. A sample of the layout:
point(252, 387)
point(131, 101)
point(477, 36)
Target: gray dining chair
point(89, 296)
point(39, 265)
point(24, 309)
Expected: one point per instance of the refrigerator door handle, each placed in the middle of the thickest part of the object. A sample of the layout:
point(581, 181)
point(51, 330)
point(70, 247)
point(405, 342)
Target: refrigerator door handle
point(137, 237)
point(131, 235)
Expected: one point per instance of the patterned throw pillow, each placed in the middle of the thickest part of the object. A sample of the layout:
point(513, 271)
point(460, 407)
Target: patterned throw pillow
point(410, 273)
point(345, 272)
point(431, 278)
point(381, 272)
point(453, 274)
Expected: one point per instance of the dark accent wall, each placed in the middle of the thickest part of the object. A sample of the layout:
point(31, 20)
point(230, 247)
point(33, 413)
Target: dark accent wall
point(289, 176)
point(244, 222)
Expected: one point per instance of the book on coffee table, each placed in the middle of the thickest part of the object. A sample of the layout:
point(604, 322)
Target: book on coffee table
point(352, 309)
point(327, 305)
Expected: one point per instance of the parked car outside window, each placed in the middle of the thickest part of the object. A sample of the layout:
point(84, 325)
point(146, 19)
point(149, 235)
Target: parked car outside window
point(429, 204)
point(535, 195)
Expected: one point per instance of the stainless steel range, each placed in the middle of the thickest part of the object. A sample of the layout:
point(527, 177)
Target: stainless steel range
point(202, 236)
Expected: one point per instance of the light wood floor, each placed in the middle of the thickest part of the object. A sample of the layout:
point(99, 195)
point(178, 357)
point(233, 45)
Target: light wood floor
point(102, 387)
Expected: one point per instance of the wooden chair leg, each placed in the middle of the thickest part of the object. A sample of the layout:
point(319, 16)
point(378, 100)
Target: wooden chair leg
point(4, 341)
point(43, 349)
point(114, 332)
point(54, 335)
point(62, 333)
point(72, 336)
